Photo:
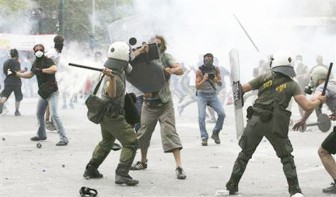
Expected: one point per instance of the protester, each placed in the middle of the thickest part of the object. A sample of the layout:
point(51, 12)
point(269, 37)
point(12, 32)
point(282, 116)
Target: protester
point(12, 82)
point(208, 79)
point(44, 69)
point(54, 54)
point(328, 146)
point(158, 107)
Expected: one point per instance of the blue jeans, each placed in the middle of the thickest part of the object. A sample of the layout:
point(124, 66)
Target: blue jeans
point(138, 105)
point(42, 105)
point(211, 99)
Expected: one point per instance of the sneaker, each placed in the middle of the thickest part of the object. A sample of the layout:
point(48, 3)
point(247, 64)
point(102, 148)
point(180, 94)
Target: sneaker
point(211, 120)
point(139, 166)
point(17, 113)
point(37, 138)
point(297, 195)
point(232, 187)
point(215, 137)
point(4, 112)
point(204, 142)
point(50, 125)
point(180, 173)
point(331, 189)
point(116, 147)
point(62, 143)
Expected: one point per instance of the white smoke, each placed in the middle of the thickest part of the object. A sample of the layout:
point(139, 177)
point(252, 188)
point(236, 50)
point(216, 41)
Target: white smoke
point(197, 27)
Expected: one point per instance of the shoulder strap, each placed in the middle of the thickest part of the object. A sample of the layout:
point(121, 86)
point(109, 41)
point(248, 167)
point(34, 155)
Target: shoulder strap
point(202, 69)
point(203, 72)
point(98, 84)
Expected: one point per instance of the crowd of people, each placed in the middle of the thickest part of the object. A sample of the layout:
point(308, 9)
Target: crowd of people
point(276, 82)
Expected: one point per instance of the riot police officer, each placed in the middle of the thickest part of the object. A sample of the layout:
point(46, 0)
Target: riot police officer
point(114, 125)
point(268, 117)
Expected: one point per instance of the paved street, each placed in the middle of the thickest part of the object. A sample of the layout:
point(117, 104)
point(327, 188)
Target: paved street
point(26, 170)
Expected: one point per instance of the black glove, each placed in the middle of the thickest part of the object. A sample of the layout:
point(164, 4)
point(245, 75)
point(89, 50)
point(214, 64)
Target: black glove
point(36, 70)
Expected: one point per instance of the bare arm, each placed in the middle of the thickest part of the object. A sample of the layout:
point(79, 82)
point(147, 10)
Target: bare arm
point(175, 69)
point(199, 79)
point(246, 87)
point(26, 75)
point(111, 89)
point(141, 50)
point(309, 105)
point(316, 97)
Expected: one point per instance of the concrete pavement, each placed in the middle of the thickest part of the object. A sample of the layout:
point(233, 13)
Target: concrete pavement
point(57, 171)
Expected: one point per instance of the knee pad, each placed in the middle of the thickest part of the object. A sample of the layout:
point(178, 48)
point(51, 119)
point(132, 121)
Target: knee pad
point(133, 146)
point(244, 156)
point(289, 165)
point(287, 159)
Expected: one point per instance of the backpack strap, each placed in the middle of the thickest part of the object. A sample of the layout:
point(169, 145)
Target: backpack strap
point(203, 72)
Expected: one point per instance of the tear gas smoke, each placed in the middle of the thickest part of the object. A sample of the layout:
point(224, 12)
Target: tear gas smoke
point(197, 27)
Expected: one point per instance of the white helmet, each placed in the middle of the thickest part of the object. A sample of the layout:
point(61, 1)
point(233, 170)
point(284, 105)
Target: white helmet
point(119, 55)
point(281, 62)
point(318, 73)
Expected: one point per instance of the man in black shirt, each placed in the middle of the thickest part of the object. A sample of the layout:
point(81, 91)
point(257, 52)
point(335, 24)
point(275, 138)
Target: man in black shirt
point(12, 82)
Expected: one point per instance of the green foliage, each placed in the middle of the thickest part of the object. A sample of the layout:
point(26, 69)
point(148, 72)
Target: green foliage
point(13, 5)
point(45, 17)
point(77, 15)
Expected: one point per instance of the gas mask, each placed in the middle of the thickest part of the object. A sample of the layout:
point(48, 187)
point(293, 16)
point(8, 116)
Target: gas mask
point(208, 62)
point(39, 54)
point(208, 59)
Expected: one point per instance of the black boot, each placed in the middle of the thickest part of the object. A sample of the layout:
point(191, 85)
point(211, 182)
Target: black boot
point(91, 172)
point(122, 176)
point(232, 187)
point(293, 186)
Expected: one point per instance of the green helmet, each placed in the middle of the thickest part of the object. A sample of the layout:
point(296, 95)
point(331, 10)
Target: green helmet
point(318, 73)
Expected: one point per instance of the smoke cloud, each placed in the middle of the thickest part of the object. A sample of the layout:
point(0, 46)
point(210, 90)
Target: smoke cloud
point(197, 27)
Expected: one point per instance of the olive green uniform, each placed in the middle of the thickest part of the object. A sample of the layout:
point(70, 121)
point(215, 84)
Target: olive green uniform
point(269, 118)
point(114, 126)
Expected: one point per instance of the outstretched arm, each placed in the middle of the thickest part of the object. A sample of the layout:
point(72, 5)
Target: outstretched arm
point(26, 75)
point(246, 87)
point(308, 106)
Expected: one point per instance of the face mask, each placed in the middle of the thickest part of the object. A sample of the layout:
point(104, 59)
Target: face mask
point(39, 54)
point(208, 62)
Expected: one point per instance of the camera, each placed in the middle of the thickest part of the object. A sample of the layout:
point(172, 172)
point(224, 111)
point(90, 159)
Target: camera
point(211, 75)
point(308, 90)
point(153, 52)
